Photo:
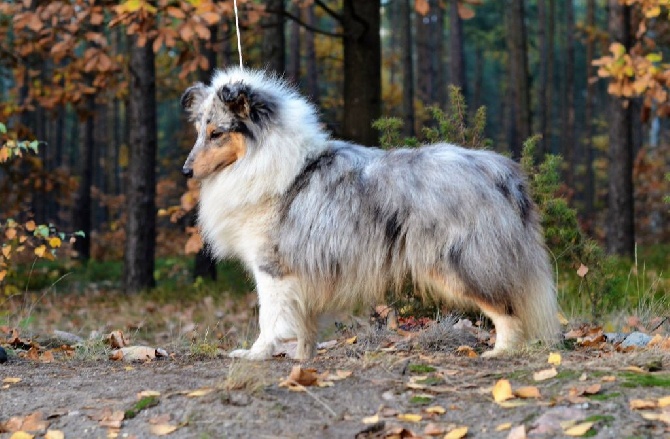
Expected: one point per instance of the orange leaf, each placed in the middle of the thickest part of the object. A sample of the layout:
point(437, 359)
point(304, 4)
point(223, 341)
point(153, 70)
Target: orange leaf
point(30, 226)
point(421, 6)
point(502, 391)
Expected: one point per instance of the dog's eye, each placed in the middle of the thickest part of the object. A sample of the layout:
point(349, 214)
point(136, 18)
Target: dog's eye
point(216, 134)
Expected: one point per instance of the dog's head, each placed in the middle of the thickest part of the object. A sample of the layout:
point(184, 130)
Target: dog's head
point(229, 120)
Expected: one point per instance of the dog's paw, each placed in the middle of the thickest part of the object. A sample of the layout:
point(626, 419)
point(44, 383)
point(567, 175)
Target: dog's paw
point(250, 354)
point(497, 353)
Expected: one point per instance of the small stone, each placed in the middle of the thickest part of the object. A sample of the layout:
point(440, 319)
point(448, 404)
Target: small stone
point(3, 355)
point(637, 339)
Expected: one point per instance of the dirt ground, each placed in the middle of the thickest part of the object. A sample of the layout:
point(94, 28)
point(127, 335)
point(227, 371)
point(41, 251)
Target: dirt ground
point(241, 399)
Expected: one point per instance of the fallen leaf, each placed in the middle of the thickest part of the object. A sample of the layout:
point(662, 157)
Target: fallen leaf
point(11, 380)
point(503, 427)
point(664, 402)
point(433, 429)
point(340, 375)
point(634, 369)
point(21, 435)
point(34, 422)
point(642, 404)
point(352, 340)
point(579, 429)
point(370, 420)
point(582, 270)
point(528, 392)
point(54, 434)
point(518, 432)
point(554, 359)
point(502, 391)
point(200, 392)
point(117, 339)
point(436, 410)
point(410, 417)
point(162, 429)
point(562, 319)
point(134, 353)
point(512, 404)
point(608, 378)
point(545, 374)
point(160, 419)
point(466, 351)
point(457, 433)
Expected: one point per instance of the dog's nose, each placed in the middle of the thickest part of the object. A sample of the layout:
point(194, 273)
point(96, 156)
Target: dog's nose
point(187, 172)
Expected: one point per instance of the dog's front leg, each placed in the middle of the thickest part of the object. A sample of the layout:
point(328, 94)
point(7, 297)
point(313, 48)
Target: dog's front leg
point(276, 316)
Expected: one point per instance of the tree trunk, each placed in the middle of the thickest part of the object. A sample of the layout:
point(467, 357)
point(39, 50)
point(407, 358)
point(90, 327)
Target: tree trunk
point(549, 90)
point(543, 82)
point(457, 65)
point(362, 70)
point(273, 47)
point(141, 188)
point(518, 74)
point(310, 55)
point(408, 68)
point(82, 217)
point(589, 189)
point(430, 66)
point(293, 68)
point(568, 129)
point(620, 224)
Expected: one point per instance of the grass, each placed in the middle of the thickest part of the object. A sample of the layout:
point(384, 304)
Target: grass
point(246, 376)
point(144, 403)
point(645, 380)
point(420, 400)
point(421, 368)
point(603, 396)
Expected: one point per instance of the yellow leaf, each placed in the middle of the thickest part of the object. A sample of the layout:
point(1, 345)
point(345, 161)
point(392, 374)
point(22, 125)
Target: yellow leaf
point(39, 251)
point(653, 11)
point(555, 359)
point(579, 429)
point(503, 427)
point(528, 392)
point(502, 391)
point(664, 402)
point(54, 242)
point(30, 226)
point(436, 410)
point(10, 233)
point(642, 404)
point(457, 433)
point(200, 392)
point(410, 417)
point(512, 404)
point(371, 420)
point(6, 251)
point(545, 374)
point(562, 319)
point(352, 340)
point(54, 434)
point(3, 273)
point(21, 435)
point(11, 380)
point(162, 429)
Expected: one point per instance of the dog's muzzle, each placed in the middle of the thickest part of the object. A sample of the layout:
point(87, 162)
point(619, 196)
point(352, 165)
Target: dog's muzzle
point(187, 172)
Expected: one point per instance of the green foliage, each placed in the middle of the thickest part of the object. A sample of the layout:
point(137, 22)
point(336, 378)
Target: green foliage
point(452, 126)
point(569, 245)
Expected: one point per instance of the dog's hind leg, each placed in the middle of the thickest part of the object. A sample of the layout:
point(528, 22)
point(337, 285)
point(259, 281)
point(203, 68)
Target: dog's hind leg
point(509, 331)
point(277, 315)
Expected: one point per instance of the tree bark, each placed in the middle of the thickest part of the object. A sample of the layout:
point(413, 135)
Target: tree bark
point(457, 65)
point(141, 189)
point(430, 66)
point(543, 80)
point(274, 44)
point(518, 74)
point(549, 90)
point(362, 70)
point(310, 56)
point(82, 218)
point(408, 68)
point(620, 224)
point(589, 190)
point(293, 68)
point(568, 129)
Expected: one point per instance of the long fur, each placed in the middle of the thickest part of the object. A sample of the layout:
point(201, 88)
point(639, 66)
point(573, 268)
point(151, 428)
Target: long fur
point(323, 224)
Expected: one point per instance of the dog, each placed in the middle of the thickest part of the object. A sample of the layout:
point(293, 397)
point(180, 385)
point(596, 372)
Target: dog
point(324, 224)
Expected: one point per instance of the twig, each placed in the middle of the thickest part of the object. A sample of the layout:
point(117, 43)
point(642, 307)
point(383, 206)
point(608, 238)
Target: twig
point(316, 398)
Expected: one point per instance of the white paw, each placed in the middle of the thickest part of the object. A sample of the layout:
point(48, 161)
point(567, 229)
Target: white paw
point(496, 353)
point(250, 354)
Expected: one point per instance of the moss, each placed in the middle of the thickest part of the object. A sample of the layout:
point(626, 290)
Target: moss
point(604, 396)
point(421, 368)
point(645, 380)
point(431, 381)
point(420, 400)
point(144, 403)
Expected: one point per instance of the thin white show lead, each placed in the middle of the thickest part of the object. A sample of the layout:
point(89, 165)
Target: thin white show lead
point(237, 29)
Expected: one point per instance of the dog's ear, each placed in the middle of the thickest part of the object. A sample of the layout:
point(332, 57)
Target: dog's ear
point(193, 98)
point(246, 103)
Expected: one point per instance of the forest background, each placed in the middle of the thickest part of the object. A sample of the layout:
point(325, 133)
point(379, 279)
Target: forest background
point(89, 98)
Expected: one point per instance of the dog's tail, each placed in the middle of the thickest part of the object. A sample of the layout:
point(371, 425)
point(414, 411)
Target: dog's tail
point(537, 304)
